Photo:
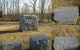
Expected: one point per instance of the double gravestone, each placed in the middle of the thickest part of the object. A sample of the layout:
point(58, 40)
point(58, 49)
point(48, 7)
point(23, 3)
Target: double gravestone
point(28, 22)
point(65, 43)
point(68, 15)
point(11, 45)
point(38, 43)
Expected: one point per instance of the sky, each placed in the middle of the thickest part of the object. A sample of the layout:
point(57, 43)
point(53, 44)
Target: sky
point(27, 1)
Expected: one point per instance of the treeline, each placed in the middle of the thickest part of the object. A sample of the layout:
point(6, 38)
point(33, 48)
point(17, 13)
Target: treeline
point(47, 17)
point(12, 9)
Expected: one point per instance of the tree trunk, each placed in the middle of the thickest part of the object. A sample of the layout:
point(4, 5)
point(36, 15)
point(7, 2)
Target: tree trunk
point(79, 10)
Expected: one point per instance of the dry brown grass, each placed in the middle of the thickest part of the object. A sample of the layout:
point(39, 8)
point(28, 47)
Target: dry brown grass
point(48, 29)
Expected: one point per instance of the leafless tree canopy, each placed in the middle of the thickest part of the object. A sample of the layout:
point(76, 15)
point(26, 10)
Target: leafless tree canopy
point(12, 9)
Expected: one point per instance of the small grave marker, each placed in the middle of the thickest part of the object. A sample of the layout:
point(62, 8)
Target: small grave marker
point(11, 45)
point(38, 43)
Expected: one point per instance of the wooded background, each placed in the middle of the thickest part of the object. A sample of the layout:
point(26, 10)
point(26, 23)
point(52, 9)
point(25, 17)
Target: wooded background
point(12, 9)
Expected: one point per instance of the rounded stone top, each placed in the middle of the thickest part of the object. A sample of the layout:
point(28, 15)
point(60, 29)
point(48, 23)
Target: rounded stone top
point(30, 16)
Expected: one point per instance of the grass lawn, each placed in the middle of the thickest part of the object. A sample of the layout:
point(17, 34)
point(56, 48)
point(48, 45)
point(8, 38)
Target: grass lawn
point(8, 32)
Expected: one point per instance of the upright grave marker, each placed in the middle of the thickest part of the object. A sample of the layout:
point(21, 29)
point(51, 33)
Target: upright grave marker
point(28, 22)
point(11, 45)
point(66, 14)
point(38, 43)
point(65, 43)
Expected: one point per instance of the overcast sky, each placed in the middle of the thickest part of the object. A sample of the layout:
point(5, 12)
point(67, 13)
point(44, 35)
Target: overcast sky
point(27, 1)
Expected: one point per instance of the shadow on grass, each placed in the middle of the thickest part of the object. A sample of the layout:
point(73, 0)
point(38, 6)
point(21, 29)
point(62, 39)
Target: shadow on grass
point(26, 49)
point(9, 31)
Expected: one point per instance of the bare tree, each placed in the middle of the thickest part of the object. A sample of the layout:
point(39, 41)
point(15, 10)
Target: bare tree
point(42, 4)
point(0, 5)
point(49, 13)
point(13, 9)
point(26, 9)
point(33, 5)
point(0, 9)
point(17, 2)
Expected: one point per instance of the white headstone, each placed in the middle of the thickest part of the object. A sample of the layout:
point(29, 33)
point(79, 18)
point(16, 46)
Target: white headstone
point(61, 43)
point(66, 14)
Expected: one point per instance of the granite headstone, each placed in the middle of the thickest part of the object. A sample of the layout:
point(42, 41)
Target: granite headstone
point(11, 45)
point(38, 43)
point(66, 14)
point(65, 43)
point(28, 22)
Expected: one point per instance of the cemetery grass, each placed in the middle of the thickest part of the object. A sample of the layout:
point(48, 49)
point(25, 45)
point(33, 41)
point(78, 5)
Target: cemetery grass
point(10, 32)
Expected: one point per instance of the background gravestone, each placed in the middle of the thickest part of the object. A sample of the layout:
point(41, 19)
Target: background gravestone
point(65, 43)
point(67, 15)
point(11, 45)
point(38, 43)
point(28, 22)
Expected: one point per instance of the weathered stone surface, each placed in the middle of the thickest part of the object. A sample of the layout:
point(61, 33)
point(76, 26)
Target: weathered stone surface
point(11, 45)
point(64, 43)
point(28, 22)
point(38, 43)
point(66, 14)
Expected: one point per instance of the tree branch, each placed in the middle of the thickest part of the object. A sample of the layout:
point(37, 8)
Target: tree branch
point(28, 5)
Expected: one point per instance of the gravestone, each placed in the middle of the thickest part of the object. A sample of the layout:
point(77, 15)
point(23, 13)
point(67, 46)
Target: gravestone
point(65, 43)
point(28, 22)
point(38, 43)
point(67, 15)
point(0, 46)
point(11, 45)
